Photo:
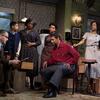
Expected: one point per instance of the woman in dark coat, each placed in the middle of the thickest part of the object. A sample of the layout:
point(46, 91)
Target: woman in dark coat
point(30, 40)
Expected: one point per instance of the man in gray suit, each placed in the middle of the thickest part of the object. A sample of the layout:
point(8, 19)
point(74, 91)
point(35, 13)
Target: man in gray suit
point(4, 69)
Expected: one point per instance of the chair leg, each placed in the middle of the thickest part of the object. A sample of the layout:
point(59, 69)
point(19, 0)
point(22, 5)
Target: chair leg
point(73, 86)
point(76, 84)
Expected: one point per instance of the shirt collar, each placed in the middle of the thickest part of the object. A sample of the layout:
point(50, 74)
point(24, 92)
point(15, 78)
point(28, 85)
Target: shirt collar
point(13, 33)
point(1, 45)
point(60, 44)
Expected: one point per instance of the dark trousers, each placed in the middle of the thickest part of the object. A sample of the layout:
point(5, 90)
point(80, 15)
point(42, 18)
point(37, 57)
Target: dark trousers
point(54, 73)
point(7, 70)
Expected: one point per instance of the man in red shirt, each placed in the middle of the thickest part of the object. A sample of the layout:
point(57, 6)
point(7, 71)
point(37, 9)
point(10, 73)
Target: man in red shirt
point(62, 61)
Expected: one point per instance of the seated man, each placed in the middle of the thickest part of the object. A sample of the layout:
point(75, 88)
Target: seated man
point(4, 69)
point(62, 61)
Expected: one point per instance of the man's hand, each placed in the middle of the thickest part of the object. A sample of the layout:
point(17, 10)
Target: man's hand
point(16, 58)
point(68, 66)
point(8, 57)
point(44, 64)
point(14, 61)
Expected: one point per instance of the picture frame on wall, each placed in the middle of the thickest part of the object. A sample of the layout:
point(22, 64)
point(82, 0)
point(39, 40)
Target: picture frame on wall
point(76, 32)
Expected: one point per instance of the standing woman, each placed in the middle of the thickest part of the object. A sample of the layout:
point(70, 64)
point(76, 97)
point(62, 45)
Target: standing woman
point(92, 41)
point(30, 40)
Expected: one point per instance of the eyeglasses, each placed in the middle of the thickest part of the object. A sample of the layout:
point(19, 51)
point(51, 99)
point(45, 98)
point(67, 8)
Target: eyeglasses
point(5, 36)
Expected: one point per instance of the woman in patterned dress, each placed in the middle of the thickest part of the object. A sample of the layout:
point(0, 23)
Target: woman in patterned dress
point(92, 51)
point(30, 40)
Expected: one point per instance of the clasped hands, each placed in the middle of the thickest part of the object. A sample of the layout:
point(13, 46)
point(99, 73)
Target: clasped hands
point(30, 44)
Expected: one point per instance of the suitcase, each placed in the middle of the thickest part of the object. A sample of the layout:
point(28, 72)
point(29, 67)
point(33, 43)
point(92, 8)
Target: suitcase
point(26, 66)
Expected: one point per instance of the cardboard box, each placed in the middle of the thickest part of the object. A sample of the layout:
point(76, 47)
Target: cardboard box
point(19, 81)
point(82, 68)
point(97, 86)
point(67, 83)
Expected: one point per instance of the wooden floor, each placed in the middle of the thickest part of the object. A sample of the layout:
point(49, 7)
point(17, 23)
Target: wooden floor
point(37, 95)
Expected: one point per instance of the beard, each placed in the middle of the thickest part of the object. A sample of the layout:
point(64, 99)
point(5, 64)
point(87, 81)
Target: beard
point(55, 46)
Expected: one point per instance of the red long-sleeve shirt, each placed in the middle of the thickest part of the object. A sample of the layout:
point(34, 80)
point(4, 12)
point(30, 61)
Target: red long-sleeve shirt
point(64, 53)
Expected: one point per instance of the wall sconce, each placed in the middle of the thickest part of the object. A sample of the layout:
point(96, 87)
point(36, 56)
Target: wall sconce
point(25, 8)
point(77, 19)
point(24, 19)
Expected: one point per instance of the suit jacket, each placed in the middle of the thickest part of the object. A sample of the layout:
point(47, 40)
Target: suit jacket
point(12, 47)
point(3, 62)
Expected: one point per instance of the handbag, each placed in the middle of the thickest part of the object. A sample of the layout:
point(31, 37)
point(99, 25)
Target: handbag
point(26, 65)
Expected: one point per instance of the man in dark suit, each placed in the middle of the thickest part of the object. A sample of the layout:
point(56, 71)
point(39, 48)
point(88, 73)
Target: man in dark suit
point(4, 70)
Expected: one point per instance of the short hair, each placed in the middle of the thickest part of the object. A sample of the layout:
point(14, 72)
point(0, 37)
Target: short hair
point(29, 20)
point(2, 32)
point(53, 25)
point(94, 21)
point(13, 23)
point(55, 35)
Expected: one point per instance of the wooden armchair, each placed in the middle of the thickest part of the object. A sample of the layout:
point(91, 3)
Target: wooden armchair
point(74, 77)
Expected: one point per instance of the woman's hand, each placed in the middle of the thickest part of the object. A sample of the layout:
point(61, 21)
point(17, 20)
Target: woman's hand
point(75, 45)
point(30, 44)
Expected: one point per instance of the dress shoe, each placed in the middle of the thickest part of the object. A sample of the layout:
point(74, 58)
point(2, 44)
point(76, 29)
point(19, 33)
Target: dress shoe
point(50, 94)
point(11, 91)
point(2, 94)
point(32, 87)
point(47, 93)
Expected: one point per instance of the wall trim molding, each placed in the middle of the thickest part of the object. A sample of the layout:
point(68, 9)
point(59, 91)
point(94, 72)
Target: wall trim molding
point(7, 10)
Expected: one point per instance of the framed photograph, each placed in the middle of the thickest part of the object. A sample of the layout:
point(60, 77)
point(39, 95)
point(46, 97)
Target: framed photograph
point(76, 33)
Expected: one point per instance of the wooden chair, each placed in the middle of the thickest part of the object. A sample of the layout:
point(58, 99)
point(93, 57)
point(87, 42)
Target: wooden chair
point(79, 70)
point(81, 73)
point(73, 76)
